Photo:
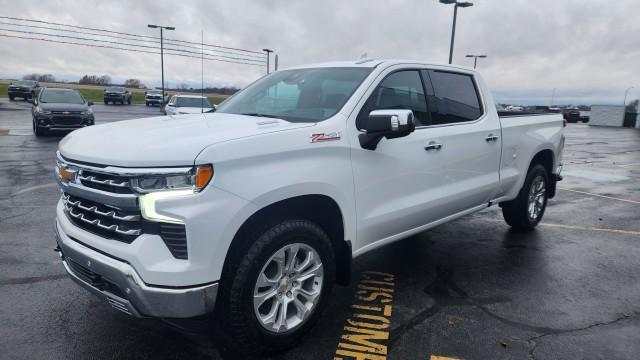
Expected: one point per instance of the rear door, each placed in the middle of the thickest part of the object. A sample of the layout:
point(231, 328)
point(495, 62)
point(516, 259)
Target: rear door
point(471, 139)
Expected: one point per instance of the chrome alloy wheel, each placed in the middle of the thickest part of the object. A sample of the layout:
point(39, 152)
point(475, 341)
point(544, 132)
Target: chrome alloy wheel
point(537, 194)
point(288, 288)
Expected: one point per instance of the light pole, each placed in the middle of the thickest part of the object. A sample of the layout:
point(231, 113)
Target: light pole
point(475, 59)
point(553, 95)
point(626, 92)
point(455, 16)
point(268, 51)
point(162, 52)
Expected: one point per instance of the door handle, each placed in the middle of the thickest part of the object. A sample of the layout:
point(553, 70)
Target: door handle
point(433, 146)
point(492, 137)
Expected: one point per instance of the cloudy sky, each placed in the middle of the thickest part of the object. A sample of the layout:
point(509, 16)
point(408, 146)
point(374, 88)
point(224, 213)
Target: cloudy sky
point(588, 49)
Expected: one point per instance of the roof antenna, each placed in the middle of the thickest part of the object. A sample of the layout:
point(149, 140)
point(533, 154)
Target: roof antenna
point(364, 58)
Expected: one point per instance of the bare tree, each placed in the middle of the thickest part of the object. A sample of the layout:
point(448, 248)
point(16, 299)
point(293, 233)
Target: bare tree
point(134, 83)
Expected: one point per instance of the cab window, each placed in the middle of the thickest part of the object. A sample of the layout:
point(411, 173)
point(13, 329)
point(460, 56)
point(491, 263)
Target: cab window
point(399, 90)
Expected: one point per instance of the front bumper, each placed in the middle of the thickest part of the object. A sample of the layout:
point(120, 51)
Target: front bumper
point(50, 122)
point(117, 283)
point(19, 93)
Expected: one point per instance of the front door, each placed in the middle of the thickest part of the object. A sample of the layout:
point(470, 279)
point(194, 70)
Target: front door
point(397, 186)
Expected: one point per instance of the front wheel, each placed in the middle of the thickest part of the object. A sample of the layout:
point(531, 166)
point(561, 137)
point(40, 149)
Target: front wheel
point(276, 291)
point(526, 211)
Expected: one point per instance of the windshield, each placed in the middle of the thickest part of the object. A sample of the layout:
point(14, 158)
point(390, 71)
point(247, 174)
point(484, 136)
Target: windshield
point(115, 89)
point(193, 102)
point(154, 92)
point(26, 83)
point(300, 95)
point(61, 96)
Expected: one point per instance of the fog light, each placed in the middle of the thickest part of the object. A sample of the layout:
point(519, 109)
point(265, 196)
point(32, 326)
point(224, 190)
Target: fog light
point(42, 121)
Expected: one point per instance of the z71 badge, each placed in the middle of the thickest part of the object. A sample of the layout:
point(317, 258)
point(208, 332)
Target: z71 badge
point(319, 137)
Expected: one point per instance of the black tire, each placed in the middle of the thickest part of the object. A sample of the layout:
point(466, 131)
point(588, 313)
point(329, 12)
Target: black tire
point(106, 102)
point(129, 101)
point(516, 212)
point(11, 98)
point(235, 318)
point(38, 131)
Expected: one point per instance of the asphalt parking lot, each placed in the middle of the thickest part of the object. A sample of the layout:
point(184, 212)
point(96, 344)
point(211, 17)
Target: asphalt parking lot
point(470, 289)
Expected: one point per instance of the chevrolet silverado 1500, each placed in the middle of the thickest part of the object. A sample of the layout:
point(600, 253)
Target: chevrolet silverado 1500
point(250, 214)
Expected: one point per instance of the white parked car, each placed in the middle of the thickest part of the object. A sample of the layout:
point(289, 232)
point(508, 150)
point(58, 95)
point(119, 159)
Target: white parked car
point(188, 104)
point(253, 212)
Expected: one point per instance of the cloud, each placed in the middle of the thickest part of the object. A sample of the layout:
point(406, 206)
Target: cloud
point(588, 50)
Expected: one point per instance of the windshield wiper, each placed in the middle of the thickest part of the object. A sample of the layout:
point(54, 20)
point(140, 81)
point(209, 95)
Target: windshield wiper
point(261, 115)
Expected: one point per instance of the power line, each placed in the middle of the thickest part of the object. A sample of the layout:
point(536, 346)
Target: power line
point(120, 48)
point(128, 38)
point(127, 34)
point(126, 44)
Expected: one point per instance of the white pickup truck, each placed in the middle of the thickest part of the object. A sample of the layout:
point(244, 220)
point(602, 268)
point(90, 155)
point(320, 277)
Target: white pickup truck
point(250, 214)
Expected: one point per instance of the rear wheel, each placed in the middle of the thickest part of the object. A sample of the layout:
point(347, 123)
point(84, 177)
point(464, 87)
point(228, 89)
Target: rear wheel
point(276, 291)
point(526, 211)
point(129, 101)
point(11, 97)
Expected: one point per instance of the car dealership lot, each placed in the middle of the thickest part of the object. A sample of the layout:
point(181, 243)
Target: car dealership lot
point(469, 289)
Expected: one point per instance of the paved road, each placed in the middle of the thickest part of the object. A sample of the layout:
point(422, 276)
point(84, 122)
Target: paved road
point(470, 289)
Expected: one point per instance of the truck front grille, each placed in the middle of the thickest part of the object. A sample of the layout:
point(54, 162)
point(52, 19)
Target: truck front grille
point(103, 220)
point(105, 182)
point(123, 226)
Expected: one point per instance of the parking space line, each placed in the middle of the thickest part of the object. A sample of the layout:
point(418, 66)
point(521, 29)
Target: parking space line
point(366, 333)
point(437, 357)
point(588, 228)
point(600, 196)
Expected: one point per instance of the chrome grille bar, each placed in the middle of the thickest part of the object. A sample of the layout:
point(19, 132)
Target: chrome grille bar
point(93, 179)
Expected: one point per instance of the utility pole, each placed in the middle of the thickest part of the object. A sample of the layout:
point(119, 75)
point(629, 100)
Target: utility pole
point(553, 95)
point(457, 4)
point(268, 51)
point(161, 52)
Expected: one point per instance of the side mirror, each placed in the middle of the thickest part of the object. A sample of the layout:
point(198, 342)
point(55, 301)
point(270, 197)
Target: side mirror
point(90, 103)
point(389, 124)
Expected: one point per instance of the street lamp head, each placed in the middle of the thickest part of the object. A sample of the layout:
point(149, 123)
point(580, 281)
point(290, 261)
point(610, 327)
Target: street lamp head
point(448, 1)
point(152, 26)
point(464, 4)
point(470, 56)
point(267, 50)
point(169, 28)
point(482, 56)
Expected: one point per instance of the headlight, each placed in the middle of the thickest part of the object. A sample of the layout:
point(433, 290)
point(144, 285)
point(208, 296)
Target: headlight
point(195, 180)
point(88, 112)
point(159, 187)
point(39, 110)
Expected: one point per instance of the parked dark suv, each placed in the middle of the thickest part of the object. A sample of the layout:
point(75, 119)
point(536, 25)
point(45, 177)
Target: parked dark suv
point(26, 89)
point(60, 109)
point(117, 94)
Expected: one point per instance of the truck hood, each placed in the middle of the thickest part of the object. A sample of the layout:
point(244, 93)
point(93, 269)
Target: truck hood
point(165, 140)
